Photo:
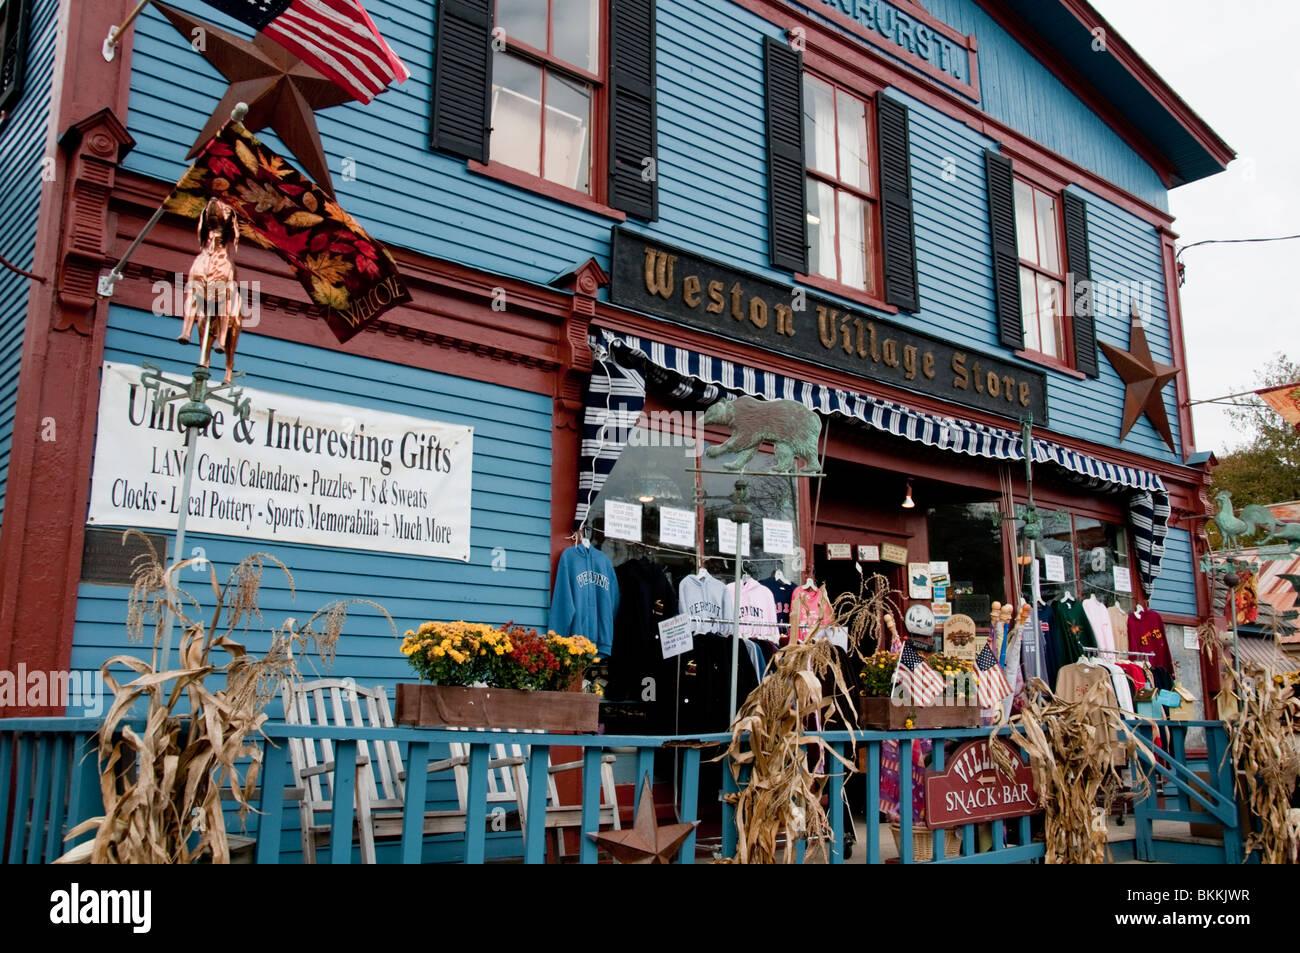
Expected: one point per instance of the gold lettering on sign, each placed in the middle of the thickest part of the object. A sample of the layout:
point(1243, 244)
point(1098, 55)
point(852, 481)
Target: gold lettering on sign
point(889, 352)
point(784, 320)
point(862, 336)
point(1009, 388)
point(736, 294)
point(961, 377)
point(993, 384)
point(691, 291)
point(758, 312)
point(927, 365)
point(846, 334)
point(826, 326)
point(909, 362)
point(716, 301)
point(659, 272)
point(1024, 394)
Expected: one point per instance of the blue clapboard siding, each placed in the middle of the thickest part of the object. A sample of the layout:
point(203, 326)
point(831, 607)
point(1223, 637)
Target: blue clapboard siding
point(712, 179)
point(22, 146)
point(1017, 89)
point(511, 506)
point(1175, 590)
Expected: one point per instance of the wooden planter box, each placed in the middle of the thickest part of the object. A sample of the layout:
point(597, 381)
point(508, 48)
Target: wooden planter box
point(460, 706)
point(883, 715)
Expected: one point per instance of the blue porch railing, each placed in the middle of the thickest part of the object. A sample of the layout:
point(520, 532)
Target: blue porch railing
point(49, 782)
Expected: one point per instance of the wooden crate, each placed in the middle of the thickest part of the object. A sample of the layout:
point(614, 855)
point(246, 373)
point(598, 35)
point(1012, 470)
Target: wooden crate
point(883, 715)
point(461, 706)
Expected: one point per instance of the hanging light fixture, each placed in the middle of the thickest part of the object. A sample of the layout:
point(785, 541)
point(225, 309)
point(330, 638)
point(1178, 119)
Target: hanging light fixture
point(907, 500)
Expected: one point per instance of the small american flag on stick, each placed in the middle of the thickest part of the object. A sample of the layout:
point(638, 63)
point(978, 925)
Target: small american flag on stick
point(337, 38)
point(993, 684)
point(920, 682)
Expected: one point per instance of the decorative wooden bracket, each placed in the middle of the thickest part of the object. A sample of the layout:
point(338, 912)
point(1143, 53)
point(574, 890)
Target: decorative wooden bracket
point(574, 350)
point(94, 148)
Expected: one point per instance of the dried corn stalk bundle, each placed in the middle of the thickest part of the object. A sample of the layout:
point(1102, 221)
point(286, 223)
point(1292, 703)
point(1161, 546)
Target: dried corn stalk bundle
point(162, 786)
point(868, 614)
point(1071, 748)
point(1261, 718)
point(789, 765)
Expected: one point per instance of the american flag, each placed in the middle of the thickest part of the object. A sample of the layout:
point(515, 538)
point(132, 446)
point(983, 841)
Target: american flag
point(993, 684)
point(921, 684)
point(335, 37)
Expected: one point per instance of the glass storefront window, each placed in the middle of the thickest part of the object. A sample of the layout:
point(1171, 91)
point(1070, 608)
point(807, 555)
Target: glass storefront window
point(1057, 540)
point(968, 537)
point(1100, 547)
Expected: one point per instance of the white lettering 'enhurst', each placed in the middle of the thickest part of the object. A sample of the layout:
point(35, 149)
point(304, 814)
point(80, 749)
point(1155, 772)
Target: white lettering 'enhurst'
point(77, 906)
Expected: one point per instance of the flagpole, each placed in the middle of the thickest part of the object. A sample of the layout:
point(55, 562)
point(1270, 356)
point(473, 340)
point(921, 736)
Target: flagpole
point(108, 282)
point(109, 49)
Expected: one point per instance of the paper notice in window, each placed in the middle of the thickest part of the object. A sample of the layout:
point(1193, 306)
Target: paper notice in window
point(623, 520)
point(1123, 581)
point(868, 554)
point(676, 527)
point(778, 537)
point(727, 538)
point(1054, 568)
point(675, 636)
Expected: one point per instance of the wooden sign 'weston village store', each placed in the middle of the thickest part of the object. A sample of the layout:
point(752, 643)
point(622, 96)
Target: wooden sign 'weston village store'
point(716, 299)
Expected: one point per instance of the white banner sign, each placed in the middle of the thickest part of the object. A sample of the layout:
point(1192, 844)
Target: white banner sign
point(1123, 581)
point(300, 471)
point(1055, 566)
point(623, 520)
point(676, 527)
point(675, 636)
point(778, 537)
point(727, 538)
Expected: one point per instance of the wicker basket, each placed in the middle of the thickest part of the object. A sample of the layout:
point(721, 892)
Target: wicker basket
point(923, 842)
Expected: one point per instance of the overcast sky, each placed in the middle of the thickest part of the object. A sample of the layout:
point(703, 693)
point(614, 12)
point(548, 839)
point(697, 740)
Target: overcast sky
point(1228, 60)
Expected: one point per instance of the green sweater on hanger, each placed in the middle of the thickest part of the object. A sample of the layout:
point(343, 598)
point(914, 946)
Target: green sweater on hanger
point(1073, 632)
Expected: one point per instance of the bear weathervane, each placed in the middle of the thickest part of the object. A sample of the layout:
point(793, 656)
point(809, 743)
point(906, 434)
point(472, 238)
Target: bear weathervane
point(791, 428)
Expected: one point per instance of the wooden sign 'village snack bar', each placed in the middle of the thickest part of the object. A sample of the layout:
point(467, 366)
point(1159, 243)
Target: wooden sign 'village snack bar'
point(713, 298)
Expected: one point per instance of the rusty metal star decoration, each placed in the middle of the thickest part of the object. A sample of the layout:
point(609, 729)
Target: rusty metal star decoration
point(645, 842)
point(282, 92)
point(1144, 380)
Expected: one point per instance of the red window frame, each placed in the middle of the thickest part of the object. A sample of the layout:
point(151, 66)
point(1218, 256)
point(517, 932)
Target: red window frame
point(874, 272)
point(598, 133)
point(1065, 359)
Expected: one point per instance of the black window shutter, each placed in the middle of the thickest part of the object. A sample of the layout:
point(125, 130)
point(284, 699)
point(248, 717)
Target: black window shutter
point(13, 55)
point(787, 208)
point(1006, 259)
point(1081, 303)
point(901, 286)
point(462, 78)
point(633, 110)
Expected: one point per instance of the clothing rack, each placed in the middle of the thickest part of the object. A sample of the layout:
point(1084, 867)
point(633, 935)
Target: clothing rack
point(1118, 652)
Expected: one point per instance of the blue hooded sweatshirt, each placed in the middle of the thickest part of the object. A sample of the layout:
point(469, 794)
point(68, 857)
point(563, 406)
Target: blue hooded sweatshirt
point(586, 597)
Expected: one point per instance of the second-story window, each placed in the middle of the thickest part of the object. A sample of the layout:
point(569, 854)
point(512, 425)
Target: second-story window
point(841, 190)
point(1042, 271)
point(546, 87)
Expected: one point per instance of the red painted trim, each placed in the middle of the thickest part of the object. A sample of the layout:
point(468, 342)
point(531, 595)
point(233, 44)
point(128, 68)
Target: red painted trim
point(1051, 363)
point(547, 188)
point(970, 90)
point(881, 70)
point(1174, 308)
point(844, 291)
point(58, 385)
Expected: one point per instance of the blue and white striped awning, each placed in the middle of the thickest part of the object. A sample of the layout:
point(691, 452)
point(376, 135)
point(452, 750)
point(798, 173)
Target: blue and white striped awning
point(625, 363)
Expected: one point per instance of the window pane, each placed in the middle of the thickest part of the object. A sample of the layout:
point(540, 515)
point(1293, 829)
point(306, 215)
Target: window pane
point(1049, 249)
point(1029, 308)
point(966, 535)
point(851, 119)
point(1026, 243)
point(568, 117)
point(853, 240)
point(819, 125)
point(1101, 547)
point(1056, 540)
point(1049, 315)
point(821, 229)
point(523, 20)
point(516, 113)
point(573, 32)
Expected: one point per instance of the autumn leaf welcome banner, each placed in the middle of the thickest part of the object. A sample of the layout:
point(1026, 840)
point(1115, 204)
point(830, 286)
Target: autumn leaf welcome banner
point(353, 277)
